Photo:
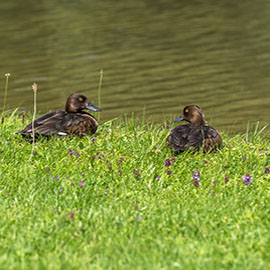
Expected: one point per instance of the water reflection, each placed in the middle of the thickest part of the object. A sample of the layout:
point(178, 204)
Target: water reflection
point(158, 54)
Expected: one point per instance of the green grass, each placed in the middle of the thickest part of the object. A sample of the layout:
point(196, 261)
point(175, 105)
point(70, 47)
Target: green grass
point(127, 220)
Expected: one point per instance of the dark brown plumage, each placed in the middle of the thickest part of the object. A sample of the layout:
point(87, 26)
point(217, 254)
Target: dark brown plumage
point(71, 121)
point(195, 134)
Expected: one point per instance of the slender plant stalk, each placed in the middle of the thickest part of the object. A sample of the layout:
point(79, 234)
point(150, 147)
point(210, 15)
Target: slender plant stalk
point(34, 87)
point(99, 91)
point(6, 87)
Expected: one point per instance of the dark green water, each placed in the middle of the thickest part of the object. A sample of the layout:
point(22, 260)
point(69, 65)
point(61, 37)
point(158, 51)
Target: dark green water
point(161, 55)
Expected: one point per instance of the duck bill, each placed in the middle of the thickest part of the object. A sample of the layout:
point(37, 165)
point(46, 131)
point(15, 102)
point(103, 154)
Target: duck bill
point(178, 119)
point(91, 107)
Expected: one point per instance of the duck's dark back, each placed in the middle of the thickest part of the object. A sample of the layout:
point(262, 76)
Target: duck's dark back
point(193, 136)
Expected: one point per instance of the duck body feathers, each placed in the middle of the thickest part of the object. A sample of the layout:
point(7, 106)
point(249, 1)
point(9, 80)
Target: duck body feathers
point(62, 123)
point(194, 136)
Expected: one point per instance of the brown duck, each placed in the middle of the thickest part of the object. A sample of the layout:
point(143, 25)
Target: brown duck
point(71, 121)
point(195, 134)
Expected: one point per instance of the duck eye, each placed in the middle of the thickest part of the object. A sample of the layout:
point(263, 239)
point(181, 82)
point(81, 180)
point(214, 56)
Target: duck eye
point(186, 110)
point(80, 99)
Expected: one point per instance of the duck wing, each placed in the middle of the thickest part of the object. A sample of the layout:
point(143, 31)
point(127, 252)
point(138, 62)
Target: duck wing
point(212, 139)
point(185, 136)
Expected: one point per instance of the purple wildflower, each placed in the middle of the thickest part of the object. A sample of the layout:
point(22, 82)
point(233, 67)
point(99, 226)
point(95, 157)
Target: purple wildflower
point(267, 170)
point(158, 177)
point(247, 180)
point(139, 218)
point(226, 179)
point(120, 160)
point(118, 172)
point(214, 181)
point(93, 139)
point(172, 160)
point(196, 178)
point(75, 154)
point(82, 174)
point(60, 191)
point(167, 127)
point(105, 192)
point(196, 183)
point(81, 184)
point(93, 157)
point(205, 161)
point(167, 162)
point(57, 177)
point(169, 172)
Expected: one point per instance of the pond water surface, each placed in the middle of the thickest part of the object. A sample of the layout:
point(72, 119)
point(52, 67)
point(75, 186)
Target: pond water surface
point(156, 54)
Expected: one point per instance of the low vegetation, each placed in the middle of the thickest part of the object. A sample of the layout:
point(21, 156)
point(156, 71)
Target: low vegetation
point(121, 200)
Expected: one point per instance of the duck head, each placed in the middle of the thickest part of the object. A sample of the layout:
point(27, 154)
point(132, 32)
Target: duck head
point(77, 102)
point(192, 114)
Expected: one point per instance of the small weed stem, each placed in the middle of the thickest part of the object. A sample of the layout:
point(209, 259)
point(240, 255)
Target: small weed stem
point(34, 87)
point(5, 97)
point(99, 91)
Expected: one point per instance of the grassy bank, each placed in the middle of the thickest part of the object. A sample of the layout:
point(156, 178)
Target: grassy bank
point(119, 200)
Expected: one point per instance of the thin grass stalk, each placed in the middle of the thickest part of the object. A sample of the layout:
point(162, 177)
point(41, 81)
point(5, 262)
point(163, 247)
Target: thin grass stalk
point(99, 91)
point(34, 87)
point(247, 132)
point(5, 96)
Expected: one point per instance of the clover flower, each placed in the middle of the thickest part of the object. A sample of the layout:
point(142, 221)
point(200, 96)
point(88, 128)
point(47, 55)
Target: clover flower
point(247, 180)
point(93, 139)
